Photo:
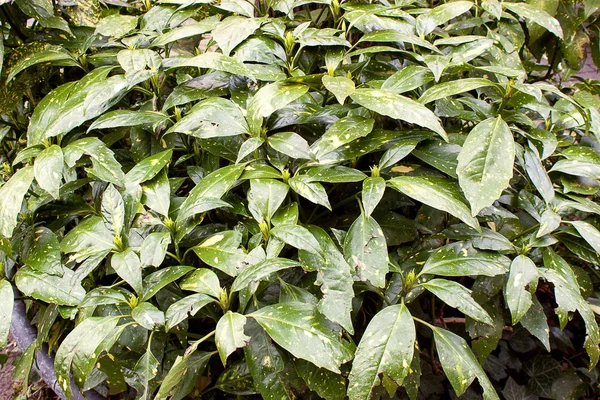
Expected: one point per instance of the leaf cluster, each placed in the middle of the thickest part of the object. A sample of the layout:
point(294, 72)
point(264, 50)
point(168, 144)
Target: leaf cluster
point(303, 199)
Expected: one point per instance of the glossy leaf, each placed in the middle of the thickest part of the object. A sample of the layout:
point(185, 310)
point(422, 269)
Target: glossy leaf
point(50, 288)
point(523, 273)
point(340, 86)
point(459, 259)
point(213, 186)
point(297, 328)
point(437, 193)
point(48, 169)
point(386, 349)
point(372, 192)
point(399, 107)
point(189, 305)
point(202, 280)
point(457, 296)
point(128, 266)
point(222, 251)
point(485, 163)
point(230, 334)
point(267, 195)
point(6, 310)
point(312, 191)
point(365, 249)
point(259, 271)
point(335, 276)
point(459, 363)
point(11, 199)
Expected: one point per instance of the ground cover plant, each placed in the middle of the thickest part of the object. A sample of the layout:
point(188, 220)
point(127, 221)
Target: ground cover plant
point(303, 199)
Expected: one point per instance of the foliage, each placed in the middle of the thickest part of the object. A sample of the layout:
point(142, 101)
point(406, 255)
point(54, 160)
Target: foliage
point(303, 199)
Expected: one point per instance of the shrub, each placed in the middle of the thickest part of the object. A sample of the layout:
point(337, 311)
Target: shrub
point(302, 199)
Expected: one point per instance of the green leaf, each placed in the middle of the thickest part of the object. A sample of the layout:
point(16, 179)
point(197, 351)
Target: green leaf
point(234, 30)
point(257, 272)
point(589, 233)
point(397, 152)
point(202, 280)
point(298, 237)
point(312, 191)
point(70, 105)
point(407, 79)
point(159, 279)
point(269, 99)
point(43, 11)
point(339, 174)
point(457, 296)
point(146, 369)
point(80, 349)
point(537, 15)
point(365, 249)
point(440, 155)
point(186, 31)
point(122, 118)
point(386, 349)
point(50, 288)
point(485, 163)
point(11, 199)
point(48, 168)
point(459, 363)
point(192, 362)
point(211, 60)
point(327, 384)
point(154, 249)
point(447, 89)
point(536, 323)
point(148, 316)
point(222, 251)
point(113, 210)
point(291, 144)
point(104, 165)
point(127, 265)
point(428, 21)
point(248, 147)
point(300, 330)
point(89, 237)
point(372, 193)
point(236, 380)
point(461, 259)
point(212, 186)
point(340, 86)
point(213, 117)
point(437, 193)
point(389, 35)
point(538, 175)
point(148, 168)
point(230, 334)
point(157, 194)
point(116, 25)
point(335, 277)
point(266, 195)
point(266, 364)
point(523, 273)
point(42, 252)
point(399, 107)
point(189, 305)
point(342, 131)
point(6, 309)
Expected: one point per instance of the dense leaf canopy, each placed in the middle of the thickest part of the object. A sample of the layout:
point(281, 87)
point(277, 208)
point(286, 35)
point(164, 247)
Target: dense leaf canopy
point(303, 199)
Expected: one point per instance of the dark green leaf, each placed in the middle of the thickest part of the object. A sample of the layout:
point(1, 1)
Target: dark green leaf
point(460, 259)
point(386, 349)
point(300, 330)
point(457, 296)
point(366, 250)
point(485, 164)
